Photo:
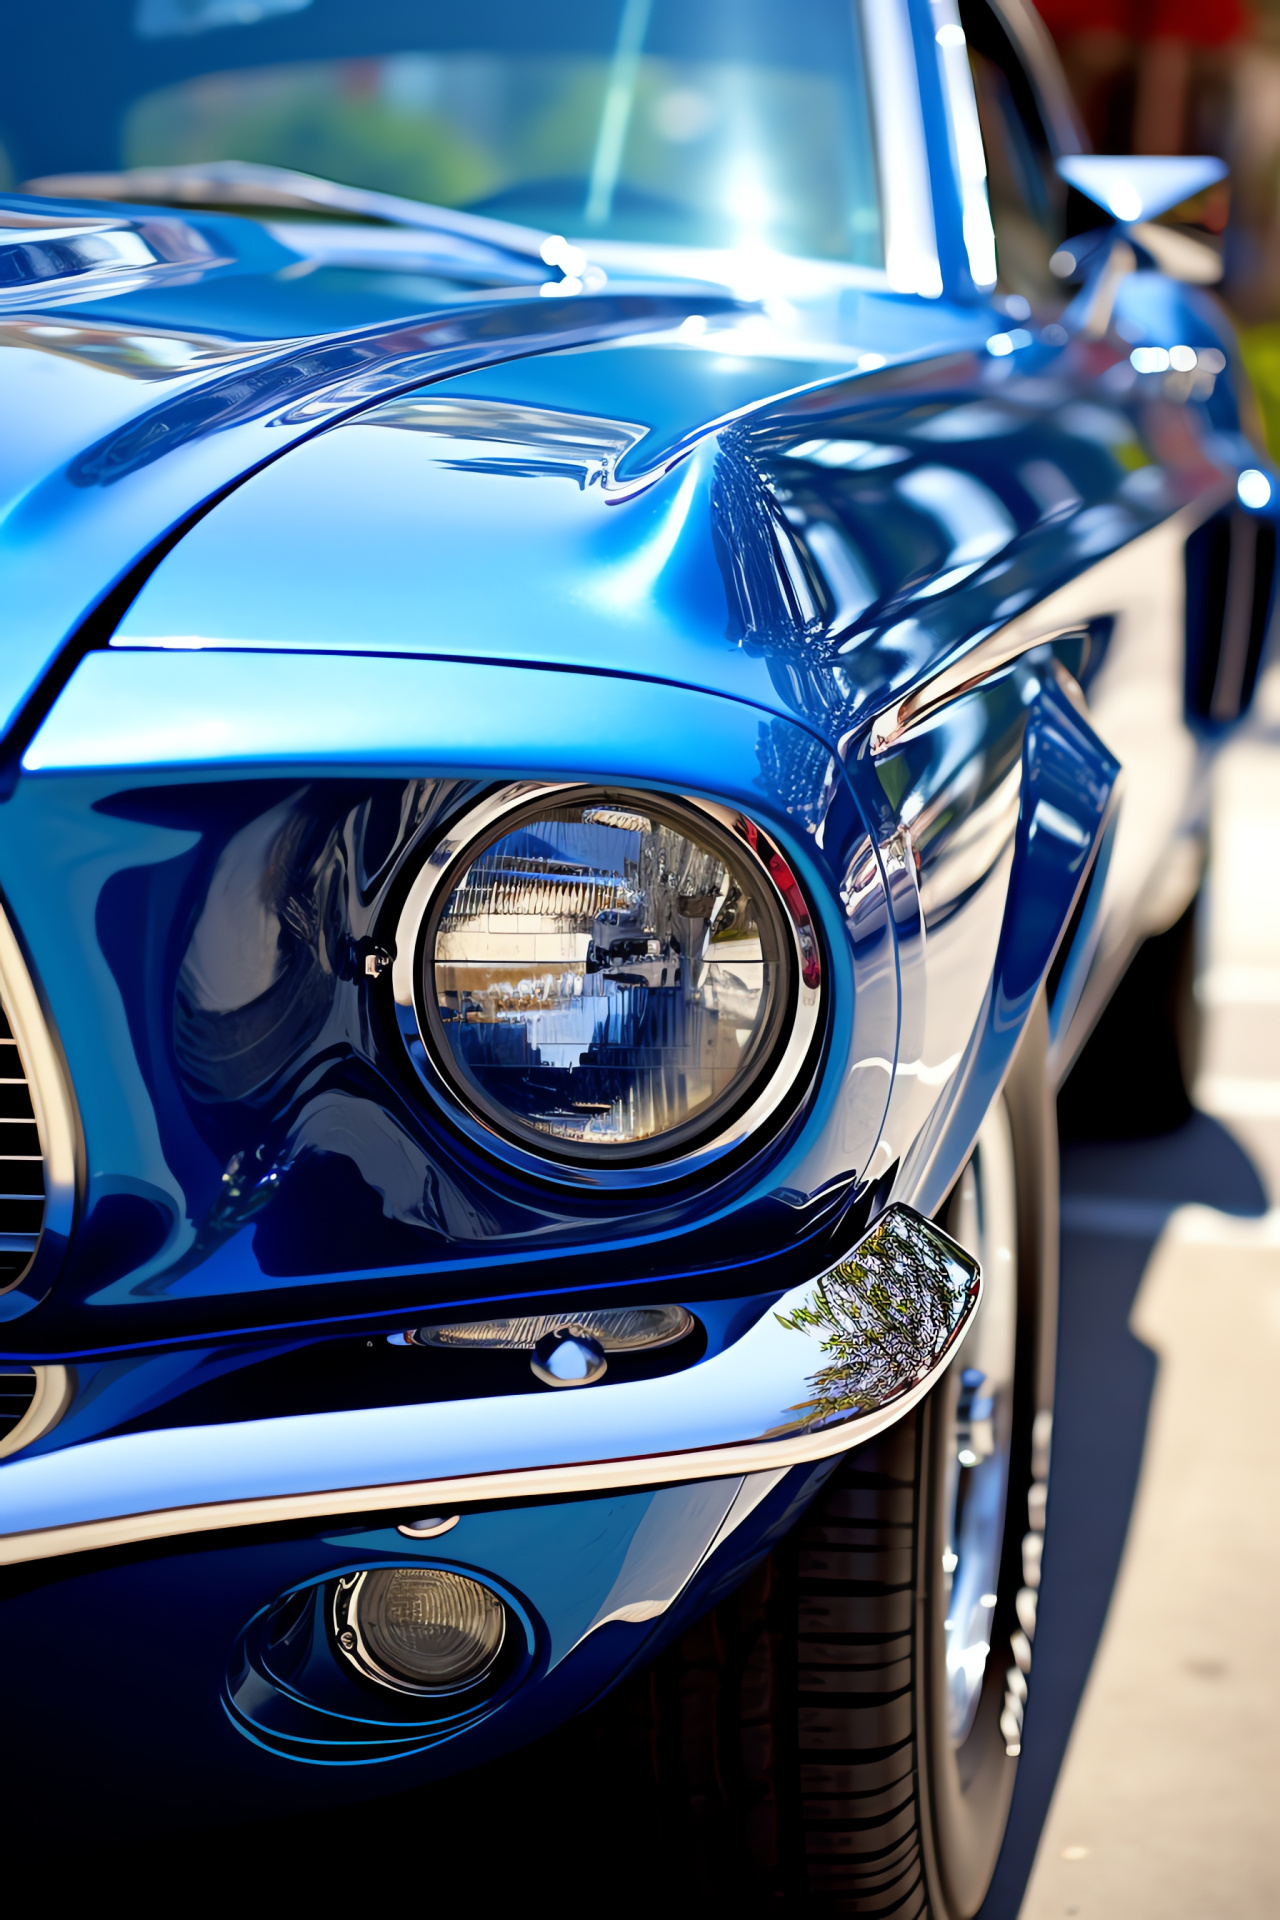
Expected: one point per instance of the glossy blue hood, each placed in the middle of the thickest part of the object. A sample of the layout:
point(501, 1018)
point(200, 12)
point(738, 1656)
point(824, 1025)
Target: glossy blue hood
point(137, 394)
point(696, 507)
point(128, 411)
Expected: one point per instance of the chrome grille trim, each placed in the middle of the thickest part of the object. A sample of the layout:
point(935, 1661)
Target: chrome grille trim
point(17, 1391)
point(37, 1123)
point(32, 1399)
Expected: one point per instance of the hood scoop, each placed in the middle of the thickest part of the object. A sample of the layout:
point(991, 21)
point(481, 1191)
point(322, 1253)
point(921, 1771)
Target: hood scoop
point(54, 258)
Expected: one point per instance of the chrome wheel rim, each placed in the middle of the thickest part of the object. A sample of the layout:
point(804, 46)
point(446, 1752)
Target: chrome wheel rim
point(984, 1219)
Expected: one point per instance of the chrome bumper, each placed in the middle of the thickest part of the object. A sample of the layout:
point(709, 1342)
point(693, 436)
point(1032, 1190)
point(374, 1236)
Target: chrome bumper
point(836, 1361)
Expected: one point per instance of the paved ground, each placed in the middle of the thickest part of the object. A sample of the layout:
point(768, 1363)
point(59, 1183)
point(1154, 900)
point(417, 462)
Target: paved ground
point(1168, 1799)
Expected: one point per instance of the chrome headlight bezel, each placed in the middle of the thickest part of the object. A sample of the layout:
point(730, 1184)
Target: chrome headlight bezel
point(776, 1077)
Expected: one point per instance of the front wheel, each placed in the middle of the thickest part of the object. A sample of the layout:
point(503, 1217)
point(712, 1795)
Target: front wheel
point(857, 1706)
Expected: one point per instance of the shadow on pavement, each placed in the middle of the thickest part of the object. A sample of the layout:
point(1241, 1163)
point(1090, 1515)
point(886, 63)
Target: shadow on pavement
point(1116, 1199)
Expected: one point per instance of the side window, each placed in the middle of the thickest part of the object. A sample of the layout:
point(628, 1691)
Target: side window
point(1027, 198)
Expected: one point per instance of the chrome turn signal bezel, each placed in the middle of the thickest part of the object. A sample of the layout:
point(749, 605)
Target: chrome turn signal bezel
point(773, 1083)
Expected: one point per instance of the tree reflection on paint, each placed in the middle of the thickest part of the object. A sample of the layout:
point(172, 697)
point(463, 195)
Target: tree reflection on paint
point(884, 1316)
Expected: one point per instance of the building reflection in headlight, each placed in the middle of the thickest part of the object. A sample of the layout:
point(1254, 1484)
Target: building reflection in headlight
point(602, 976)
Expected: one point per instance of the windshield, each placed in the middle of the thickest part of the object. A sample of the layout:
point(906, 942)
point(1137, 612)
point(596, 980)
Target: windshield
point(722, 123)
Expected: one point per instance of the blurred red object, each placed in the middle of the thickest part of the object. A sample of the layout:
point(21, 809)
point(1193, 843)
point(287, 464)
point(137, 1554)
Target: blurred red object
point(1214, 25)
point(1129, 63)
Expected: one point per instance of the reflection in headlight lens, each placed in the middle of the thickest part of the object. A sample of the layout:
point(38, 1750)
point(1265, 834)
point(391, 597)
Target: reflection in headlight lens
point(611, 973)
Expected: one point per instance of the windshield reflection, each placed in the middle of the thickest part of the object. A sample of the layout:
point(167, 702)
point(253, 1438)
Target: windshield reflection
point(661, 121)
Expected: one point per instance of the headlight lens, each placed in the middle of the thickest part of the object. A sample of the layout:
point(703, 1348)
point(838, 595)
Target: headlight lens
point(608, 975)
point(419, 1629)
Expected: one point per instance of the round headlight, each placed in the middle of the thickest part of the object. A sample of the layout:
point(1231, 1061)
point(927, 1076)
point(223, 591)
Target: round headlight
point(419, 1629)
point(611, 976)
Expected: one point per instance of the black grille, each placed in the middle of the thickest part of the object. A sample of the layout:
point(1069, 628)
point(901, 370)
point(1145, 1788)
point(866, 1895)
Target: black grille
point(17, 1391)
point(21, 1165)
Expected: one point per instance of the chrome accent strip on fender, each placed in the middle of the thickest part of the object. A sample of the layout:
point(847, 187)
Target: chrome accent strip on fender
point(1067, 610)
point(834, 1362)
point(963, 672)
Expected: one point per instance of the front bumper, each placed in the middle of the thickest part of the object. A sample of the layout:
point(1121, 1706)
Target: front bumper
point(836, 1361)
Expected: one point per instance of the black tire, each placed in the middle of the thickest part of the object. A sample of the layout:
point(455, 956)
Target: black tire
point(798, 1737)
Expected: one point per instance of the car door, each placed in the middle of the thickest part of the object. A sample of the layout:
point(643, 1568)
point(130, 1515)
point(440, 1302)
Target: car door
point(1151, 675)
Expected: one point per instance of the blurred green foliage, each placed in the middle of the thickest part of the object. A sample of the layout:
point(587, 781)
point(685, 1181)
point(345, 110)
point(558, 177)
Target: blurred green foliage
point(1260, 350)
point(310, 120)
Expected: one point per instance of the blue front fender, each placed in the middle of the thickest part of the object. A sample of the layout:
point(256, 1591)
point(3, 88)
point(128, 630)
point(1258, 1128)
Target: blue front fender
point(1069, 794)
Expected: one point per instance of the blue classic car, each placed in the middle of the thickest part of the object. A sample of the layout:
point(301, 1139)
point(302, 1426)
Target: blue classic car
point(615, 616)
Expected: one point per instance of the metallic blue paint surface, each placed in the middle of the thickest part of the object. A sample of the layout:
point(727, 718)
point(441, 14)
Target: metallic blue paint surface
point(288, 564)
point(159, 1135)
point(598, 1586)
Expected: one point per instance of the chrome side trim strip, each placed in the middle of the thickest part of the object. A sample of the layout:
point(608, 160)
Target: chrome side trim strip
point(596, 1476)
point(976, 664)
point(834, 1362)
point(1087, 597)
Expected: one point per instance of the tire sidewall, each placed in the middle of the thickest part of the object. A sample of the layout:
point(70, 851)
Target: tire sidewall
point(966, 1791)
